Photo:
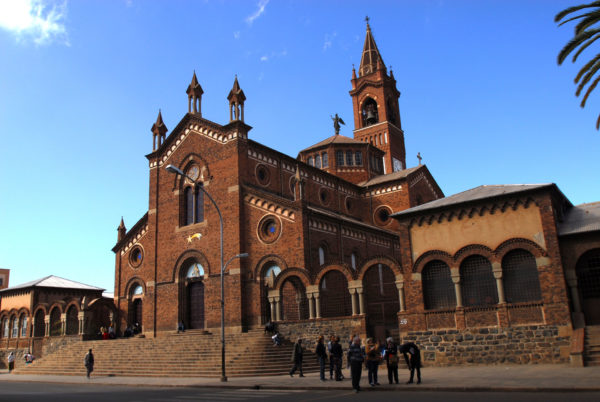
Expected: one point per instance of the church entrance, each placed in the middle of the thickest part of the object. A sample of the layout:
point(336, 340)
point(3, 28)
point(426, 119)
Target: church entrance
point(136, 312)
point(588, 281)
point(382, 302)
point(196, 304)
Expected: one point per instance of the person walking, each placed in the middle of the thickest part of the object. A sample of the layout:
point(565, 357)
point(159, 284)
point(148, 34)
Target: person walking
point(11, 361)
point(412, 355)
point(88, 362)
point(321, 353)
point(356, 359)
point(297, 358)
point(391, 360)
point(331, 362)
point(372, 353)
point(337, 354)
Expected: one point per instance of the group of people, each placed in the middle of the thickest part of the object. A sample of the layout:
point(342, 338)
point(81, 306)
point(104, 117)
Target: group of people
point(28, 358)
point(371, 355)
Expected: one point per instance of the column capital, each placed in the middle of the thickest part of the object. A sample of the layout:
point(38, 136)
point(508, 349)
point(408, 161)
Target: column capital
point(312, 289)
point(273, 293)
point(455, 279)
point(400, 284)
point(416, 276)
point(355, 284)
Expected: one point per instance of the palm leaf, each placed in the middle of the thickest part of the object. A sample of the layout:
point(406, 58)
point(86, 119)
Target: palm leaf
point(587, 77)
point(589, 91)
point(570, 10)
point(573, 43)
point(598, 123)
point(585, 68)
point(590, 19)
point(583, 47)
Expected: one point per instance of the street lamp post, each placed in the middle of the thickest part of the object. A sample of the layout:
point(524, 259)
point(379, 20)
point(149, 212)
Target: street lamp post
point(173, 169)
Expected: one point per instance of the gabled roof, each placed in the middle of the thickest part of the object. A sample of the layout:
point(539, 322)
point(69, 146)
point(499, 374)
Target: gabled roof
point(335, 139)
point(401, 174)
point(52, 281)
point(474, 194)
point(581, 219)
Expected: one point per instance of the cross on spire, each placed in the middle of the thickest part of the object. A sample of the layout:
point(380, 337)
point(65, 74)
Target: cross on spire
point(367, 19)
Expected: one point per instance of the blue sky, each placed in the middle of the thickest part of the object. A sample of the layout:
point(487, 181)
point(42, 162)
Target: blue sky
point(81, 83)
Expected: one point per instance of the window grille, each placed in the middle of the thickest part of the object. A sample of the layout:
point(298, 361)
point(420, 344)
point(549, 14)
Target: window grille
point(40, 326)
point(334, 295)
point(325, 160)
point(72, 321)
point(321, 256)
point(520, 277)
point(382, 296)
point(15, 327)
point(55, 324)
point(588, 274)
point(310, 161)
point(477, 282)
point(23, 325)
point(318, 161)
point(5, 328)
point(349, 158)
point(353, 261)
point(438, 288)
point(189, 206)
point(199, 213)
point(339, 158)
point(358, 158)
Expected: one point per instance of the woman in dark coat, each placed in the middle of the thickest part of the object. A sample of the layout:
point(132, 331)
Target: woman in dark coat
point(412, 355)
point(297, 358)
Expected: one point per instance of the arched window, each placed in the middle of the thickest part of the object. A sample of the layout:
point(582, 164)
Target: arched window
point(196, 270)
point(588, 282)
point(194, 205)
point(438, 288)
point(353, 261)
point(15, 327)
point(339, 158)
point(23, 325)
point(137, 291)
point(72, 321)
point(370, 115)
point(271, 273)
point(358, 158)
point(325, 158)
point(520, 277)
point(318, 161)
point(310, 161)
point(55, 324)
point(39, 328)
point(321, 255)
point(5, 327)
point(477, 282)
point(334, 295)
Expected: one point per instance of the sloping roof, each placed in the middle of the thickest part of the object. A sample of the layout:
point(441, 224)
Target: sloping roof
point(580, 219)
point(52, 281)
point(335, 139)
point(474, 194)
point(401, 174)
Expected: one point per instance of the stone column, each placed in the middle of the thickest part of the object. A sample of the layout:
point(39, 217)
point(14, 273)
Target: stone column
point(81, 317)
point(497, 270)
point(456, 280)
point(317, 305)
point(314, 308)
point(361, 301)
point(354, 301)
point(311, 305)
point(272, 307)
point(571, 276)
point(400, 287)
point(47, 325)
point(63, 324)
point(278, 308)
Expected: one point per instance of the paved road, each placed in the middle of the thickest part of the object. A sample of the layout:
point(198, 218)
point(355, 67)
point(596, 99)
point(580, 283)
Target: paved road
point(25, 392)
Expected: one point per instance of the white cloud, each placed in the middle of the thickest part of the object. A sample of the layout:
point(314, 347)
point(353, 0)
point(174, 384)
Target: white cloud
point(262, 4)
point(328, 40)
point(268, 57)
point(35, 20)
point(236, 35)
point(264, 58)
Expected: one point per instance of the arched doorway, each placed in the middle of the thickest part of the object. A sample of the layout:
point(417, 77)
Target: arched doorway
point(293, 299)
point(334, 295)
point(137, 303)
point(55, 324)
point(270, 272)
point(39, 329)
point(588, 282)
point(72, 321)
point(195, 296)
point(382, 301)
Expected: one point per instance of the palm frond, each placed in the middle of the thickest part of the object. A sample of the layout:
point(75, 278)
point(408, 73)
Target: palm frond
point(585, 68)
point(584, 46)
point(587, 78)
point(598, 123)
point(573, 43)
point(570, 10)
point(589, 91)
point(590, 19)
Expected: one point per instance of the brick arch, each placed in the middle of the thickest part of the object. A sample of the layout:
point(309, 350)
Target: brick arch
point(23, 310)
point(185, 163)
point(390, 262)
point(473, 249)
point(260, 265)
point(343, 268)
point(519, 243)
point(178, 273)
point(39, 328)
point(289, 272)
point(41, 306)
point(430, 256)
point(72, 324)
point(129, 286)
point(60, 304)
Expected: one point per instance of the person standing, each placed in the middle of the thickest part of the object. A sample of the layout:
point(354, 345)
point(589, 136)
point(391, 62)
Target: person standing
point(412, 355)
point(331, 362)
point(336, 356)
point(11, 361)
point(391, 359)
point(88, 362)
point(356, 359)
point(297, 358)
point(372, 352)
point(321, 353)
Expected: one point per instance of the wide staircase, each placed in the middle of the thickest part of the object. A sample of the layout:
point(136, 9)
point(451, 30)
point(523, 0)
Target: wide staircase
point(189, 354)
point(591, 355)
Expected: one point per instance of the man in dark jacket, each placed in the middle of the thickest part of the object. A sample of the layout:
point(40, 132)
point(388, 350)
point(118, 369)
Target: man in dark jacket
point(321, 353)
point(412, 355)
point(337, 354)
point(88, 362)
point(297, 358)
point(356, 358)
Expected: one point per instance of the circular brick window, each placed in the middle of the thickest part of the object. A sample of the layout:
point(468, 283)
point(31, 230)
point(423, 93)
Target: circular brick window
point(382, 216)
point(324, 196)
point(136, 255)
point(269, 229)
point(262, 175)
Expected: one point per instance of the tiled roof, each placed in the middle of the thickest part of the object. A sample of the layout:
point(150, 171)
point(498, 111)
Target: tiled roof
point(474, 194)
point(401, 174)
point(52, 281)
point(580, 219)
point(335, 139)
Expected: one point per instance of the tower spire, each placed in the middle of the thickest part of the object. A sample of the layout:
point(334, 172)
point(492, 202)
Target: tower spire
point(121, 230)
point(371, 59)
point(236, 100)
point(194, 92)
point(158, 132)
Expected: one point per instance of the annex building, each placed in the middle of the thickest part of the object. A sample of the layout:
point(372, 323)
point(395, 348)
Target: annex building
point(347, 239)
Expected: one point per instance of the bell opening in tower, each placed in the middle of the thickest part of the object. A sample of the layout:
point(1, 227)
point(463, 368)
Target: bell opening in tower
point(370, 114)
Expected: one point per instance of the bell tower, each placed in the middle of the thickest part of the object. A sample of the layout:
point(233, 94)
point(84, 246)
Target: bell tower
point(376, 109)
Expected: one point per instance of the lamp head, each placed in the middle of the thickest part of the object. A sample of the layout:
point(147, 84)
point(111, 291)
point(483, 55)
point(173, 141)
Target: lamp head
point(173, 169)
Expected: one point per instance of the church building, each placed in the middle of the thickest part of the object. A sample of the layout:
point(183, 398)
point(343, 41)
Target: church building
point(347, 239)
